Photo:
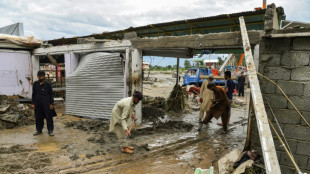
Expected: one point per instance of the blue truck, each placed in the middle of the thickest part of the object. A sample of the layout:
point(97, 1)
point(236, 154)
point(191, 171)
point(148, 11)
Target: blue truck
point(195, 76)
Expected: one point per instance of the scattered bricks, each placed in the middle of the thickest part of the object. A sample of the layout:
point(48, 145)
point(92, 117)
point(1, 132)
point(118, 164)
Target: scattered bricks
point(301, 44)
point(277, 45)
point(270, 59)
point(303, 148)
point(297, 132)
point(307, 89)
point(276, 101)
point(286, 116)
point(301, 73)
point(291, 88)
point(301, 160)
point(295, 58)
point(267, 87)
point(277, 73)
point(306, 115)
point(301, 103)
point(279, 147)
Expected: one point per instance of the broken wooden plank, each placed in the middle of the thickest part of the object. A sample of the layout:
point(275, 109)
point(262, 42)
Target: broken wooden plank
point(266, 139)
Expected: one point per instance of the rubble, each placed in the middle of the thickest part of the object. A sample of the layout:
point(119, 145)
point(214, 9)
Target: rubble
point(13, 114)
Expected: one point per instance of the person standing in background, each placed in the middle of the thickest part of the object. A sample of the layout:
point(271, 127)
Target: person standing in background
point(43, 104)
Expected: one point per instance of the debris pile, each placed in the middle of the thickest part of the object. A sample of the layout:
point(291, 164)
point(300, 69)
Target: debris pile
point(175, 102)
point(14, 114)
point(152, 108)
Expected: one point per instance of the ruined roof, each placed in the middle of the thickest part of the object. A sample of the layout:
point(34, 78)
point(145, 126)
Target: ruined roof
point(204, 25)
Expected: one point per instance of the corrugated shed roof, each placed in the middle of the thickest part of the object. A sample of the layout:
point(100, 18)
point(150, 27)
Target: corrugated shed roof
point(204, 25)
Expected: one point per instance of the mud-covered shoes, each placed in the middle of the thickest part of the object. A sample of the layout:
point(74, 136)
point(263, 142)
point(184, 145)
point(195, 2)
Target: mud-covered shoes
point(37, 133)
point(130, 147)
point(126, 150)
point(50, 133)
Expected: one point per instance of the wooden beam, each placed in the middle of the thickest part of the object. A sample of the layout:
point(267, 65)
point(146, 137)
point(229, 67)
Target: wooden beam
point(266, 139)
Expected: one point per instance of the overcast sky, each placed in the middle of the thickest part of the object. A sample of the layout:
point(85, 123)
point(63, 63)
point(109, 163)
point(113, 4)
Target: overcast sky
point(52, 19)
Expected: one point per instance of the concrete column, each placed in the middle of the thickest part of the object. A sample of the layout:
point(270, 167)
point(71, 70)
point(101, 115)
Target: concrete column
point(137, 79)
point(35, 66)
point(133, 70)
point(71, 62)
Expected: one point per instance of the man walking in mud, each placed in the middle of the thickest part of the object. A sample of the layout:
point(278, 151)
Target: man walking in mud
point(205, 98)
point(43, 104)
point(121, 113)
point(220, 106)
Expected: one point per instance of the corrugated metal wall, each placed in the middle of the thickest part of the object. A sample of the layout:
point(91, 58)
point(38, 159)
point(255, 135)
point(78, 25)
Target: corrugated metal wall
point(95, 86)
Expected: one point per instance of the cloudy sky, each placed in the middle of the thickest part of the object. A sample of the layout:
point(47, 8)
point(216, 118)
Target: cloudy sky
point(52, 19)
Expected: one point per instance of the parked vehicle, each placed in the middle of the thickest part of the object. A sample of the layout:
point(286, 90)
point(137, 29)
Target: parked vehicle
point(195, 76)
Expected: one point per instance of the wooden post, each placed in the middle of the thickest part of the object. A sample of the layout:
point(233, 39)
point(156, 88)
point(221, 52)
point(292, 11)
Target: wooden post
point(266, 139)
point(250, 123)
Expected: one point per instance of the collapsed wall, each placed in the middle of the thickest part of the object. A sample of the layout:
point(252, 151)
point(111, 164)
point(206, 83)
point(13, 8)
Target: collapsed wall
point(284, 58)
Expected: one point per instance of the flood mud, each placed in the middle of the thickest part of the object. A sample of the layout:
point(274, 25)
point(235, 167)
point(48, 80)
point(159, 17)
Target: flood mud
point(164, 143)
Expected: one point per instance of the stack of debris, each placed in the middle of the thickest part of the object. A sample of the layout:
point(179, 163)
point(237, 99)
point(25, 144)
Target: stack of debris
point(14, 114)
point(175, 102)
point(152, 108)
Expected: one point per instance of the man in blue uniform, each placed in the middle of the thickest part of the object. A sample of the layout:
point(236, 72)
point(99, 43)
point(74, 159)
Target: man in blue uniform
point(43, 104)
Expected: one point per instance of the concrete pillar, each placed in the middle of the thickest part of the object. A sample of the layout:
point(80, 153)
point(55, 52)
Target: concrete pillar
point(35, 66)
point(71, 62)
point(133, 68)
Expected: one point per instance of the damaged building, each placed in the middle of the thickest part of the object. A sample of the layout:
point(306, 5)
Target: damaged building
point(100, 69)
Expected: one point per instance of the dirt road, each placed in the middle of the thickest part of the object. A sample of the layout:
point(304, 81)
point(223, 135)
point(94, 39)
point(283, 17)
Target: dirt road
point(169, 144)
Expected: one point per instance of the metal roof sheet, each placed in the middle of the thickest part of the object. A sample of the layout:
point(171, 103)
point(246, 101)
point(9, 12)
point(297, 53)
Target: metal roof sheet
point(204, 25)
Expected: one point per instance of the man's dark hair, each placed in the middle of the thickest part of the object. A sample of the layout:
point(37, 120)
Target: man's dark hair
point(210, 84)
point(138, 95)
point(41, 73)
point(228, 74)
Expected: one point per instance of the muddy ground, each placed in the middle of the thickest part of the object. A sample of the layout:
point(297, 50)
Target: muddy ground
point(168, 143)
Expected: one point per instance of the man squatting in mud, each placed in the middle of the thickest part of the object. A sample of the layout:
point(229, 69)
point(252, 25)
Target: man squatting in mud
point(43, 104)
point(121, 113)
point(220, 106)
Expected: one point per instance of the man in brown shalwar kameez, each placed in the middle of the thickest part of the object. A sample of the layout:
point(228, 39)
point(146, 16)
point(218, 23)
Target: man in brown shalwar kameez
point(220, 106)
point(205, 97)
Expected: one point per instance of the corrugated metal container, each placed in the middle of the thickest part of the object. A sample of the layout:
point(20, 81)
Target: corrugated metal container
point(95, 86)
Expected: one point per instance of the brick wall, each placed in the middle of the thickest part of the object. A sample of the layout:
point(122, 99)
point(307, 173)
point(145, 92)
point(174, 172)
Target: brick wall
point(286, 61)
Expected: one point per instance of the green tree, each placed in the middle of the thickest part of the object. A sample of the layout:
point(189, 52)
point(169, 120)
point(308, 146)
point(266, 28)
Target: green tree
point(221, 61)
point(187, 64)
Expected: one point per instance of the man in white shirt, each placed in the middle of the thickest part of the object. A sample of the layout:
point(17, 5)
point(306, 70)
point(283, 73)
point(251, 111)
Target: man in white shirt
point(121, 113)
